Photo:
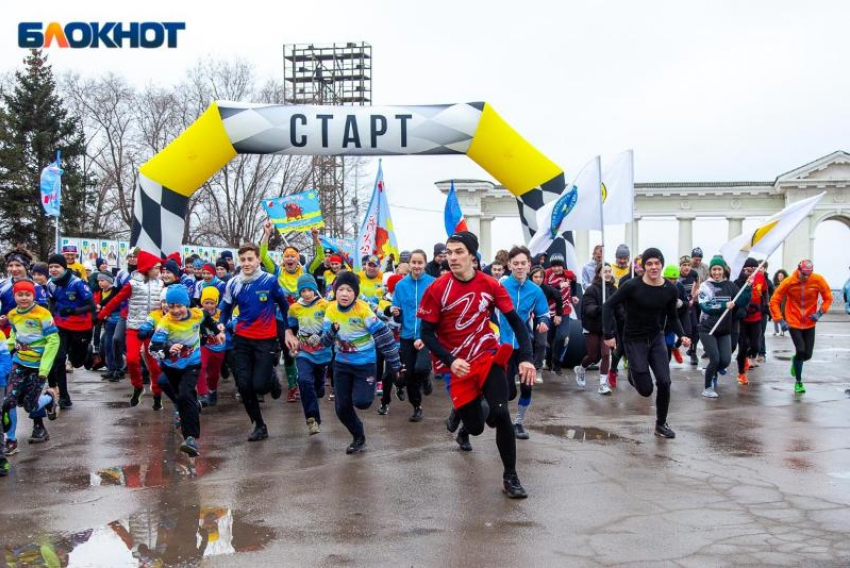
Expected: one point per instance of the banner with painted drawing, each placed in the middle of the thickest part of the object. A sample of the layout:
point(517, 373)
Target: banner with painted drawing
point(295, 212)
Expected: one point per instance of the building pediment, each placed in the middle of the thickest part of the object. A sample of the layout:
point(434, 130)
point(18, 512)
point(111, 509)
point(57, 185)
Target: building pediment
point(830, 169)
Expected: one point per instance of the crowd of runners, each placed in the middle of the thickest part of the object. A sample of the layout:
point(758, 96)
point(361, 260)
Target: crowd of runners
point(486, 331)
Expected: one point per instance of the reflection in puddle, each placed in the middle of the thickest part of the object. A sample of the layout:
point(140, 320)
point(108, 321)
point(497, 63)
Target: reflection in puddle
point(582, 433)
point(148, 538)
point(156, 473)
point(797, 464)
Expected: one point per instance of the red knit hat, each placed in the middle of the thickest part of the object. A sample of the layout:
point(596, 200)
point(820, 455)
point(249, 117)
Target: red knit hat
point(23, 286)
point(145, 261)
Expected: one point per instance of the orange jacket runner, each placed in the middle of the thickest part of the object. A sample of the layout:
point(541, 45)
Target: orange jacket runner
point(802, 300)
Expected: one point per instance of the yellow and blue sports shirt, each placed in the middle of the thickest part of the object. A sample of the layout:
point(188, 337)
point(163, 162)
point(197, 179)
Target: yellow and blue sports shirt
point(309, 319)
point(36, 337)
point(186, 332)
point(357, 323)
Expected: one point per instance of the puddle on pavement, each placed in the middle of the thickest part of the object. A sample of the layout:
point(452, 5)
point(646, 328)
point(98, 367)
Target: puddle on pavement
point(178, 536)
point(582, 433)
point(156, 473)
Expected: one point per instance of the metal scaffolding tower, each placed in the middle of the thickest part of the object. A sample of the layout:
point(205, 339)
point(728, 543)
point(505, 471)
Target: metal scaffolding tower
point(331, 74)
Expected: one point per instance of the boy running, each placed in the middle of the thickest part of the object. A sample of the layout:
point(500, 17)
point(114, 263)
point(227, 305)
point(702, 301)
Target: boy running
point(455, 313)
point(303, 336)
point(177, 343)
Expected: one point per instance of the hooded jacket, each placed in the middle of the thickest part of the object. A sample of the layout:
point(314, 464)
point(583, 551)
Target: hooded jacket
point(801, 300)
point(407, 297)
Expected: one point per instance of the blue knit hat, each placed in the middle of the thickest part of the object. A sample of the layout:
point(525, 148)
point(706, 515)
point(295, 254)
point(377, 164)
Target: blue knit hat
point(177, 295)
point(307, 281)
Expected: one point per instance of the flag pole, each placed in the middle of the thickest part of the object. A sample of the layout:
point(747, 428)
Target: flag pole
point(738, 295)
point(59, 202)
point(601, 222)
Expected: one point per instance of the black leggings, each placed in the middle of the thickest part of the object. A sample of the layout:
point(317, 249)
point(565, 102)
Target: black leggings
point(495, 392)
point(183, 383)
point(748, 342)
point(804, 345)
point(73, 346)
point(413, 377)
point(646, 354)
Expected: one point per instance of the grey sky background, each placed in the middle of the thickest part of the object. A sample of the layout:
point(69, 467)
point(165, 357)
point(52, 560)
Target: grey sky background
point(702, 91)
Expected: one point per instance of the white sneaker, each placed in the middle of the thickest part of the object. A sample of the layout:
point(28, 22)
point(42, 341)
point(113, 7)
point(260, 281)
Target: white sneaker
point(710, 393)
point(604, 389)
point(580, 371)
point(538, 379)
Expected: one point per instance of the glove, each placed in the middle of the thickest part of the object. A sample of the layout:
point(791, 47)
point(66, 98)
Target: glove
point(65, 312)
point(679, 303)
point(816, 316)
point(783, 325)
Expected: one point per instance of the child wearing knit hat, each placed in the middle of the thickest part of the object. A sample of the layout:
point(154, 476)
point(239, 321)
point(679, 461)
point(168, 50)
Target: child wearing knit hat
point(303, 339)
point(212, 352)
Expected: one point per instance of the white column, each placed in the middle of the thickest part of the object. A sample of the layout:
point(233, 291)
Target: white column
point(798, 245)
point(736, 226)
point(485, 238)
point(581, 238)
point(686, 234)
point(632, 236)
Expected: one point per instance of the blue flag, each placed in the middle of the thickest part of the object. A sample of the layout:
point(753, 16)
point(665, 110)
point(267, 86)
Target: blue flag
point(51, 189)
point(452, 215)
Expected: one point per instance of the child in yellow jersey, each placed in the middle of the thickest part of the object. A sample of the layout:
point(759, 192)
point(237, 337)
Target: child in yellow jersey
point(212, 352)
point(35, 339)
point(177, 342)
point(356, 331)
point(307, 316)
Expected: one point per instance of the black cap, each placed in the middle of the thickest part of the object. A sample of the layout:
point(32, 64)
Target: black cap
point(349, 279)
point(467, 239)
point(651, 252)
point(57, 259)
point(439, 248)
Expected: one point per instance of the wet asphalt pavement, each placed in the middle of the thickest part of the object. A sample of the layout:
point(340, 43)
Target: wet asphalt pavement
point(760, 476)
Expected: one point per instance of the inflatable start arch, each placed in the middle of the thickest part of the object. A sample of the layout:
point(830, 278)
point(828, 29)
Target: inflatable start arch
point(227, 129)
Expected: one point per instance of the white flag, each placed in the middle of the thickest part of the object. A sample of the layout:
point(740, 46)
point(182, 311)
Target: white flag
point(578, 207)
point(768, 236)
point(618, 189)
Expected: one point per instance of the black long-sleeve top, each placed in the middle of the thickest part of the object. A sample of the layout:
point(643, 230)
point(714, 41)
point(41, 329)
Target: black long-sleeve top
point(646, 308)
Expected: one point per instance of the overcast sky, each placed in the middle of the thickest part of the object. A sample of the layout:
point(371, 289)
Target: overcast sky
point(708, 91)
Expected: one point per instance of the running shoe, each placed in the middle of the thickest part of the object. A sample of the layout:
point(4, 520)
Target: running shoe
point(383, 410)
point(580, 372)
point(742, 379)
point(399, 393)
point(137, 396)
point(52, 410)
point(677, 355)
point(520, 432)
point(65, 403)
point(212, 398)
point(204, 400)
point(379, 388)
point(664, 431)
point(190, 447)
point(39, 435)
point(604, 389)
point(5, 467)
point(557, 370)
point(513, 488)
point(799, 388)
point(417, 415)
point(752, 364)
point(612, 378)
point(761, 359)
point(462, 440)
point(538, 377)
point(427, 386)
point(157, 402)
point(694, 361)
point(358, 445)
point(710, 393)
point(259, 433)
point(331, 395)
point(313, 426)
point(10, 448)
point(291, 395)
